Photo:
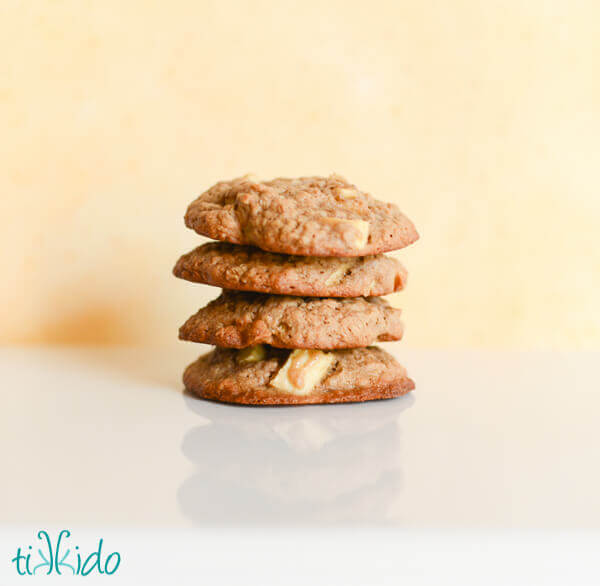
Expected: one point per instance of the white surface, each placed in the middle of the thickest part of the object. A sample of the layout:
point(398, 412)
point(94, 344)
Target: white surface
point(489, 441)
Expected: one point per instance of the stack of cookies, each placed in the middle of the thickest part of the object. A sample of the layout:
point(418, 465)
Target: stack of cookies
point(300, 265)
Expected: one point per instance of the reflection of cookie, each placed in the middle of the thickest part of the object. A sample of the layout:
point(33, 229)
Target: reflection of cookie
point(209, 500)
point(250, 269)
point(238, 320)
point(311, 216)
point(278, 377)
point(324, 474)
point(303, 430)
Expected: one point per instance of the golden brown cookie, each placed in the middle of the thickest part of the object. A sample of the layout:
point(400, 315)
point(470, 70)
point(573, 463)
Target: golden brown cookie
point(310, 216)
point(246, 268)
point(268, 376)
point(238, 319)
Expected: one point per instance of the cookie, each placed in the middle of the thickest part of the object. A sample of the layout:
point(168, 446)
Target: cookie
point(310, 216)
point(238, 319)
point(269, 376)
point(245, 268)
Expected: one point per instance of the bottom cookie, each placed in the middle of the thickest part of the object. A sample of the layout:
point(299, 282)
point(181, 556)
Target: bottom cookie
point(263, 375)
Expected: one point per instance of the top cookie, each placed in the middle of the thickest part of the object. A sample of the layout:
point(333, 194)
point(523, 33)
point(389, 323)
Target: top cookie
point(309, 216)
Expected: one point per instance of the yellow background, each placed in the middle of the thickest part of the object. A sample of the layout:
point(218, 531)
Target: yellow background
point(480, 119)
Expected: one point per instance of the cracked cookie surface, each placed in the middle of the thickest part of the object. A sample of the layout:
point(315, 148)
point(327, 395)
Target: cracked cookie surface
point(246, 268)
point(360, 374)
point(238, 320)
point(310, 216)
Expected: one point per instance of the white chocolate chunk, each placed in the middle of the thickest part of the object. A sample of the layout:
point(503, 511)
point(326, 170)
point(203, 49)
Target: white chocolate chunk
point(252, 354)
point(361, 231)
point(358, 233)
point(347, 192)
point(337, 274)
point(250, 177)
point(302, 371)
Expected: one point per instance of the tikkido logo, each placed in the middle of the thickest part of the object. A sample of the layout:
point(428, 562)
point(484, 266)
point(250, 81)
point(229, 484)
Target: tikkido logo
point(56, 557)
